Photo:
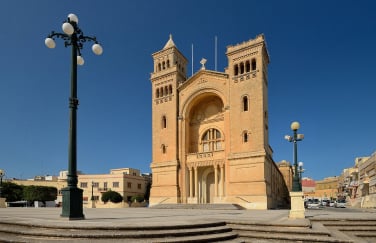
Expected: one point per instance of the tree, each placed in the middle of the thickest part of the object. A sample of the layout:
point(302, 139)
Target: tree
point(111, 196)
point(39, 193)
point(12, 192)
point(138, 198)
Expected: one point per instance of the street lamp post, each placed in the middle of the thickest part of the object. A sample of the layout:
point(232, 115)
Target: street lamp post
point(92, 191)
point(295, 138)
point(301, 170)
point(74, 37)
point(2, 173)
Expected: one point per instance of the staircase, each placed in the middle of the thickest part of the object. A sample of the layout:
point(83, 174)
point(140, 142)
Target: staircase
point(319, 230)
point(200, 232)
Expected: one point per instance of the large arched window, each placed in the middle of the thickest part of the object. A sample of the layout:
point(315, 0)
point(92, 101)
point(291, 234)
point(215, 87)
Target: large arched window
point(211, 140)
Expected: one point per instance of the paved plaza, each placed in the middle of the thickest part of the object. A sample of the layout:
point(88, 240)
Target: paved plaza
point(150, 216)
point(142, 218)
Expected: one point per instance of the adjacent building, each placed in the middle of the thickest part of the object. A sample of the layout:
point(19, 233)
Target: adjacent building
point(210, 140)
point(126, 181)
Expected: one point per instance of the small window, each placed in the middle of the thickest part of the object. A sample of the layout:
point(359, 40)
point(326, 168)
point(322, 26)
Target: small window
point(115, 184)
point(161, 92)
point(163, 149)
point(159, 67)
point(157, 93)
point(129, 185)
point(163, 65)
point(83, 184)
point(245, 103)
point(168, 63)
point(166, 90)
point(245, 137)
point(164, 122)
point(139, 186)
point(95, 184)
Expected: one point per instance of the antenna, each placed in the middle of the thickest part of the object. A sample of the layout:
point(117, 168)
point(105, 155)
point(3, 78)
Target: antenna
point(192, 59)
point(215, 53)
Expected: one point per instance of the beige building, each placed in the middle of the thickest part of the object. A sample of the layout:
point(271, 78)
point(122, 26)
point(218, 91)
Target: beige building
point(127, 182)
point(327, 188)
point(210, 131)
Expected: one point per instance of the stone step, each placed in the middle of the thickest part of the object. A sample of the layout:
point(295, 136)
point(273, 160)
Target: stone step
point(229, 237)
point(276, 237)
point(200, 232)
point(220, 206)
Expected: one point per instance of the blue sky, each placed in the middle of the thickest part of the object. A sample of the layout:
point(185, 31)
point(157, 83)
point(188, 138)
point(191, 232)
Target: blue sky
point(321, 74)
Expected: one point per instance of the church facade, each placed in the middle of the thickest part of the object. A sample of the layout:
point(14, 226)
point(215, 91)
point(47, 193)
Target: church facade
point(210, 131)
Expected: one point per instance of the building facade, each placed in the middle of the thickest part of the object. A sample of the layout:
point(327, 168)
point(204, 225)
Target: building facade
point(210, 131)
point(127, 182)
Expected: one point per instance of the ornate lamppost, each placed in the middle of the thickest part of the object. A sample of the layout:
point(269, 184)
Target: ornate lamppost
point(301, 170)
point(295, 138)
point(74, 37)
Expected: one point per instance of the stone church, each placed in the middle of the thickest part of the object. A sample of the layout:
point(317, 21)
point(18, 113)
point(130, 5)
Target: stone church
point(210, 131)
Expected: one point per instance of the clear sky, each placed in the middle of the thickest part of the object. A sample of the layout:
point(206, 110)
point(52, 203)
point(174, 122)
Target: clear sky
point(322, 74)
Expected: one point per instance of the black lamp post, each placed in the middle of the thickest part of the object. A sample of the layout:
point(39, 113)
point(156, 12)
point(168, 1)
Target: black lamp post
point(74, 37)
point(92, 189)
point(296, 187)
point(2, 173)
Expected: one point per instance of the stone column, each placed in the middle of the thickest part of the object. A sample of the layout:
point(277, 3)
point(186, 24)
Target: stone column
point(215, 180)
point(196, 183)
point(221, 192)
point(190, 182)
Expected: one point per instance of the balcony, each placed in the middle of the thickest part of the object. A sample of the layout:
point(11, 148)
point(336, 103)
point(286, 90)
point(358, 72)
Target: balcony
point(206, 156)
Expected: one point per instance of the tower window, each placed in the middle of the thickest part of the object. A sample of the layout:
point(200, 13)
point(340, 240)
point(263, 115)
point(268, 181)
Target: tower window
point(241, 68)
point(211, 140)
point(245, 137)
point(168, 63)
point(170, 89)
point(164, 122)
point(247, 67)
point(157, 93)
point(236, 69)
point(253, 64)
point(159, 67)
point(161, 92)
point(245, 103)
point(163, 65)
point(163, 149)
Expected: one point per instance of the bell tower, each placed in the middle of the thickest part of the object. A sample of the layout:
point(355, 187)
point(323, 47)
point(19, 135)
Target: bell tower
point(169, 73)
